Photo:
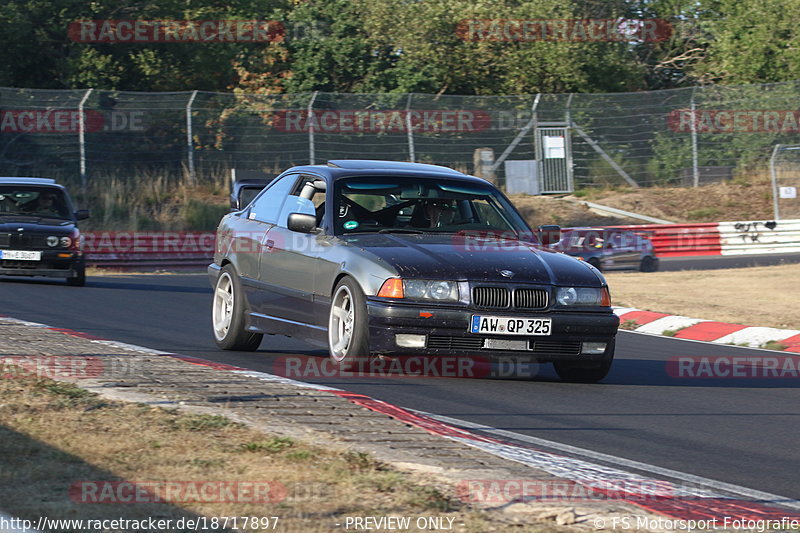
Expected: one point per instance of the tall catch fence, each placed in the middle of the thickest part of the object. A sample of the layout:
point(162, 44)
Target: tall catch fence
point(685, 136)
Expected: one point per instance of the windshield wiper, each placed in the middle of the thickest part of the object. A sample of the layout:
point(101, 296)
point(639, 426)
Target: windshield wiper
point(401, 230)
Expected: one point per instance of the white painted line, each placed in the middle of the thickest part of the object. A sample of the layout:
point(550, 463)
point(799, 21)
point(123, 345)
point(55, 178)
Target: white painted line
point(263, 376)
point(22, 322)
point(580, 466)
point(756, 336)
point(126, 346)
point(669, 323)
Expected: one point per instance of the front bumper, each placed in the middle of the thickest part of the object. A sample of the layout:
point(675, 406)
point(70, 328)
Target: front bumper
point(213, 273)
point(50, 265)
point(446, 332)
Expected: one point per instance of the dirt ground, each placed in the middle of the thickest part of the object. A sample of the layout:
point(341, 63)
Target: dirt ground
point(721, 202)
point(759, 296)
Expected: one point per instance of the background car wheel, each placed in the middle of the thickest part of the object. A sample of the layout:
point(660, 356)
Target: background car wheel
point(227, 315)
point(348, 331)
point(649, 264)
point(80, 279)
point(585, 372)
point(595, 263)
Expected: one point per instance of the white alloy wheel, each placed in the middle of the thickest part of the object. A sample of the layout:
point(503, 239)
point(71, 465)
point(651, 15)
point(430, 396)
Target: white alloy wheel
point(341, 323)
point(222, 313)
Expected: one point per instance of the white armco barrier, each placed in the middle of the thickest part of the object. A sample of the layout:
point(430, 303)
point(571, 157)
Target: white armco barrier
point(760, 237)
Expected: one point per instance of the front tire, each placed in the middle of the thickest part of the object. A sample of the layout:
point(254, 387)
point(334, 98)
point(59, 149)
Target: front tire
point(348, 330)
point(80, 276)
point(649, 264)
point(228, 315)
point(585, 372)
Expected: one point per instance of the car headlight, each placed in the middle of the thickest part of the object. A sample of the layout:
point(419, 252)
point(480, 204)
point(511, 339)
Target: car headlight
point(420, 289)
point(65, 242)
point(583, 296)
point(52, 241)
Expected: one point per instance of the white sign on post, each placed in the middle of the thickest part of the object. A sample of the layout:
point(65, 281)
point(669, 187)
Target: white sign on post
point(787, 192)
point(554, 147)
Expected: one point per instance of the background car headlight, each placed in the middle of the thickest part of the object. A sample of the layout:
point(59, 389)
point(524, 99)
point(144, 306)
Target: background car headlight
point(430, 289)
point(583, 296)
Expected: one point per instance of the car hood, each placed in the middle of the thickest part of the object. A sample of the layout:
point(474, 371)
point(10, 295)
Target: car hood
point(30, 224)
point(453, 256)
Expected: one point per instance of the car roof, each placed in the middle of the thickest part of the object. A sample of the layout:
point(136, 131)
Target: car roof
point(28, 181)
point(342, 168)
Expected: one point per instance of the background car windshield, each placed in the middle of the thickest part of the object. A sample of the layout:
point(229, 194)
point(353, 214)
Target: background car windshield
point(36, 201)
point(422, 205)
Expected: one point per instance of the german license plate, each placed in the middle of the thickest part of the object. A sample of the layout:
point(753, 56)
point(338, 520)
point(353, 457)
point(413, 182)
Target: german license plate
point(21, 255)
point(503, 325)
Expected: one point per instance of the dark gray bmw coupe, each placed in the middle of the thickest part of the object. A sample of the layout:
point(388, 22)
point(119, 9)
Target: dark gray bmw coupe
point(374, 258)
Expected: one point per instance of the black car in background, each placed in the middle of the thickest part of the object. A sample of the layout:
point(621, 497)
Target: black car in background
point(38, 231)
point(373, 258)
point(244, 190)
point(609, 248)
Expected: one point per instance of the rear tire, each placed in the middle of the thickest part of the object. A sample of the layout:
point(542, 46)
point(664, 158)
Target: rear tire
point(80, 278)
point(228, 314)
point(348, 328)
point(585, 372)
point(649, 264)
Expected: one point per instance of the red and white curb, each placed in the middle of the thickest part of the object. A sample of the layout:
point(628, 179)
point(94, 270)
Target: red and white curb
point(678, 495)
point(697, 329)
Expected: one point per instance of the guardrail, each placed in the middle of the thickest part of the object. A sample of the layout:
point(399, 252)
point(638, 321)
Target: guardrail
point(723, 238)
point(195, 248)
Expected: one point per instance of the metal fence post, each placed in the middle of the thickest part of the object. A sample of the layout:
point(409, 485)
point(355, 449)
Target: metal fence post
point(189, 141)
point(82, 136)
point(311, 122)
point(774, 175)
point(522, 133)
point(568, 145)
point(695, 168)
point(412, 156)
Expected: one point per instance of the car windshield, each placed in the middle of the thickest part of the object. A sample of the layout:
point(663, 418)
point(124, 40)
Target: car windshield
point(33, 201)
point(422, 205)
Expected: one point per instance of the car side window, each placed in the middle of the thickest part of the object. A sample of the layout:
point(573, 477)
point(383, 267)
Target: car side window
point(267, 207)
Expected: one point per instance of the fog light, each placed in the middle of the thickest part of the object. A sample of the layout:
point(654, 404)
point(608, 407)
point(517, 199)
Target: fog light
point(593, 348)
point(404, 340)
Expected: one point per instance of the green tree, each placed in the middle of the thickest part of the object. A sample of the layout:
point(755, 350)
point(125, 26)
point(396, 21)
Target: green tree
point(750, 42)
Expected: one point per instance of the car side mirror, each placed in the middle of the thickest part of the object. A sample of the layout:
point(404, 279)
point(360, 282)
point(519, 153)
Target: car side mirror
point(301, 222)
point(549, 234)
point(82, 214)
